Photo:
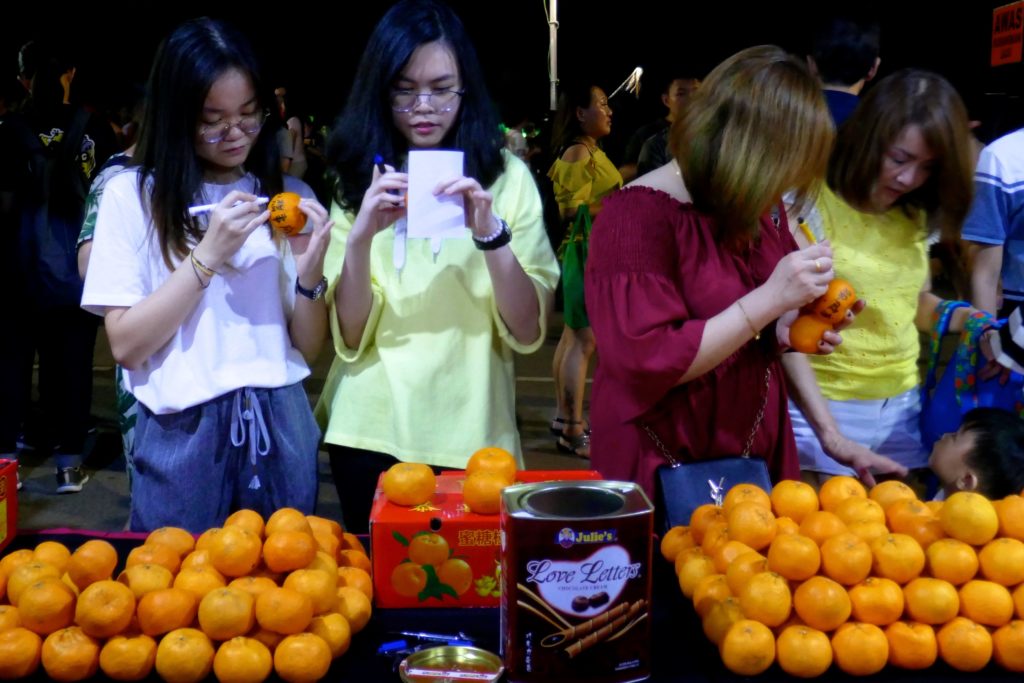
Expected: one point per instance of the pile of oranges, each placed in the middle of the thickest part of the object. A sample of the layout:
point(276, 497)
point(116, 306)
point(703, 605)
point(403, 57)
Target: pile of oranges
point(855, 578)
point(244, 600)
point(488, 471)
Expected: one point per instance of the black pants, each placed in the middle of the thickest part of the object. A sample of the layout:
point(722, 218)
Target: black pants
point(356, 472)
point(64, 338)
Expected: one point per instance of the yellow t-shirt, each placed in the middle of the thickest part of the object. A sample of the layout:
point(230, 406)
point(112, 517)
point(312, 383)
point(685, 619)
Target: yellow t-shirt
point(586, 181)
point(433, 378)
point(885, 258)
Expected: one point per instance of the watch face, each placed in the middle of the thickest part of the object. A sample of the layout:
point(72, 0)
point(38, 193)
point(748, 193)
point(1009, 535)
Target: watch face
point(316, 293)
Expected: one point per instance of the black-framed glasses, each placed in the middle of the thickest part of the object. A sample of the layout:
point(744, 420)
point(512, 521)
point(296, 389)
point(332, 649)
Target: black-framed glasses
point(403, 100)
point(250, 124)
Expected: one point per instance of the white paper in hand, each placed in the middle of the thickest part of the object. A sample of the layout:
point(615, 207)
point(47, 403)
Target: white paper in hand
point(430, 216)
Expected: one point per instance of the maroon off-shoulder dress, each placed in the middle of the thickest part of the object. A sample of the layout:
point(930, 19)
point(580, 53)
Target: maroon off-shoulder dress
point(655, 274)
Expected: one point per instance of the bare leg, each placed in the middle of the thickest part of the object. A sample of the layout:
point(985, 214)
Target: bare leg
point(574, 382)
point(556, 372)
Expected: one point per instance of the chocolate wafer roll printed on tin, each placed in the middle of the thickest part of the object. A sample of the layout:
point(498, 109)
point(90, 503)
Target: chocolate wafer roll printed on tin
point(604, 631)
point(586, 627)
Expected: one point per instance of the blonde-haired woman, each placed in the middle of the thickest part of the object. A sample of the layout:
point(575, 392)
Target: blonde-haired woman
point(693, 277)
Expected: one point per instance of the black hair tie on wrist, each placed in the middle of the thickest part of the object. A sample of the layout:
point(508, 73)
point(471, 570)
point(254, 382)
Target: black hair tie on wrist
point(496, 241)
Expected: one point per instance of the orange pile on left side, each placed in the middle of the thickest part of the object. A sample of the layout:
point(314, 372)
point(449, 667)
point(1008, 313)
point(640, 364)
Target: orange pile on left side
point(243, 601)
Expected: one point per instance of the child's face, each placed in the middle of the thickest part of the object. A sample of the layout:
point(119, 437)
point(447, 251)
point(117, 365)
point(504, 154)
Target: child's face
point(231, 100)
point(949, 459)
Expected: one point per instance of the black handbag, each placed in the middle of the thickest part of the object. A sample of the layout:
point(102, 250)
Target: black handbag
point(682, 487)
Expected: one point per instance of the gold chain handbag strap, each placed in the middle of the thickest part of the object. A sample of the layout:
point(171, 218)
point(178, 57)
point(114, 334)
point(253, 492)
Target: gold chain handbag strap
point(758, 419)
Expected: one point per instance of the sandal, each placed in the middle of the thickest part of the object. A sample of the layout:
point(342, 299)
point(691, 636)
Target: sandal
point(558, 426)
point(578, 445)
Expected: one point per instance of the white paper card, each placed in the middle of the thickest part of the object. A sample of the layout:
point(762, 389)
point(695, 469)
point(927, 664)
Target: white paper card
point(430, 216)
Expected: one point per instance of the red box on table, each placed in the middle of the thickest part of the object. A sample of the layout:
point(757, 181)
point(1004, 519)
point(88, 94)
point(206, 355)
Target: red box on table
point(8, 501)
point(455, 550)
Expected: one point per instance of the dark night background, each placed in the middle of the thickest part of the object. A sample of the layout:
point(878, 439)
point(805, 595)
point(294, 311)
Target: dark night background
point(313, 49)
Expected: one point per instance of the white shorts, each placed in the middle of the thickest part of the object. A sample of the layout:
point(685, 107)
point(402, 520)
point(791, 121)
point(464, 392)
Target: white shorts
point(888, 426)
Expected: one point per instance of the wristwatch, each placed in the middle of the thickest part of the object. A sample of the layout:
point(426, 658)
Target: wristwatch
point(314, 294)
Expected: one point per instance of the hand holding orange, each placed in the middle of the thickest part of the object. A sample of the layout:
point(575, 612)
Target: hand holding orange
point(821, 315)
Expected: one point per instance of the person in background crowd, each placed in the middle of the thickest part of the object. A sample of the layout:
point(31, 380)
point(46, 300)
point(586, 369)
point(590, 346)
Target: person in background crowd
point(653, 137)
point(582, 176)
point(845, 55)
point(290, 137)
point(995, 226)
point(52, 151)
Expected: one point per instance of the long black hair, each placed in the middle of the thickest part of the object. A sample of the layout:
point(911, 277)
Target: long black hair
point(186, 66)
point(364, 127)
point(566, 126)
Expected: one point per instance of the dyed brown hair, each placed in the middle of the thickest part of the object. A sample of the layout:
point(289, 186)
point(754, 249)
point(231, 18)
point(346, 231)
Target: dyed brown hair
point(908, 98)
point(757, 127)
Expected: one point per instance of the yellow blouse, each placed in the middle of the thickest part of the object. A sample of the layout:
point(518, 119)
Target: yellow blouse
point(433, 377)
point(586, 181)
point(885, 258)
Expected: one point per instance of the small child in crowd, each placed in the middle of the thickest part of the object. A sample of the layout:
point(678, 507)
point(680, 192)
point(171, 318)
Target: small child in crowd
point(986, 455)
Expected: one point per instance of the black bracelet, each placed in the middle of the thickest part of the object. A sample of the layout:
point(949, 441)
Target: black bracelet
point(500, 239)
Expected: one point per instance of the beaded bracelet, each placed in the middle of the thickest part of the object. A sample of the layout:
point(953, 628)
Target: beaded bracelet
point(496, 240)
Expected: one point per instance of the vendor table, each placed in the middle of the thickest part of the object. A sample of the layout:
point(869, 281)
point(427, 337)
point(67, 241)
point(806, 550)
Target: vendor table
point(681, 653)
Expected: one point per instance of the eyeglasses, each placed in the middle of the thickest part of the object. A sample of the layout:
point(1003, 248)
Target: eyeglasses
point(443, 100)
point(250, 124)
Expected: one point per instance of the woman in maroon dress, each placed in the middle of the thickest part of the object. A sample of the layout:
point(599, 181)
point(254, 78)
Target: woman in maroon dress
point(693, 278)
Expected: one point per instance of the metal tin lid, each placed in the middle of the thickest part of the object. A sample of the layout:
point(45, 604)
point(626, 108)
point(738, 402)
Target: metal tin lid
point(576, 500)
point(451, 663)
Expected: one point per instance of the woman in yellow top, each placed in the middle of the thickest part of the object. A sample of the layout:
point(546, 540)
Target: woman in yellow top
point(901, 165)
point(583, 174)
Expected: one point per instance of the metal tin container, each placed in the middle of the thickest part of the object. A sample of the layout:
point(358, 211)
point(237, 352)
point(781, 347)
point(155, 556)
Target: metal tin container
point(449, 664)
point(576, 582)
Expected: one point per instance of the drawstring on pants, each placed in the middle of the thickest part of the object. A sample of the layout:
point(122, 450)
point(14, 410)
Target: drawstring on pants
point(250, 419)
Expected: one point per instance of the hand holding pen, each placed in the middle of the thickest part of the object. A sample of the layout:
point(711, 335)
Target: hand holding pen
point(233, 219)
point(383, 202)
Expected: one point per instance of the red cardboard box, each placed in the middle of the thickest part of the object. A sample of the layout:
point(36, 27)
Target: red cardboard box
point(440, 554)
point(8, 501)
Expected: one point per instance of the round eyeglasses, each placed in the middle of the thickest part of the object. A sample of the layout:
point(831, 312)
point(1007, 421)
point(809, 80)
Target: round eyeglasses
point(250, 124)
point(443, 100)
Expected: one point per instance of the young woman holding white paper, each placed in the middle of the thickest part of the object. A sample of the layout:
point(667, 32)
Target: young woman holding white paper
point(424, 340)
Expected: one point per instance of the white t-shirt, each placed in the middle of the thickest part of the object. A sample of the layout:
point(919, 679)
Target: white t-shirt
point(237, 335)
